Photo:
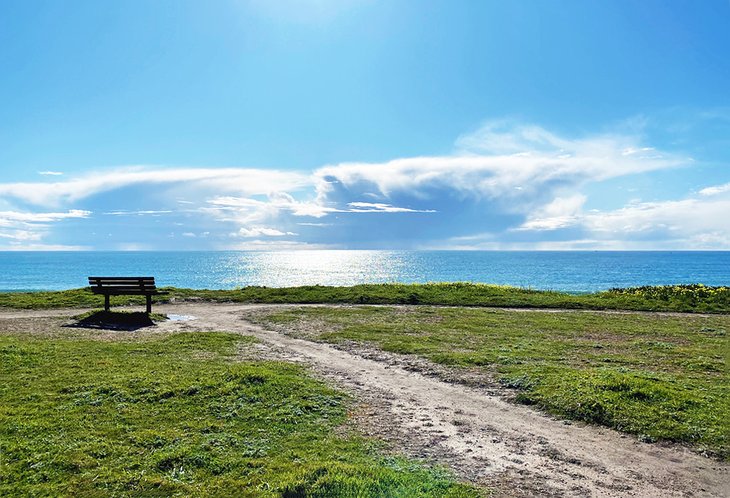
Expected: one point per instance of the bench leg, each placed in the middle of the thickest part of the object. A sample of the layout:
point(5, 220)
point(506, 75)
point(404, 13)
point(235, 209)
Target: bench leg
point(149, 304)
point(106, 302)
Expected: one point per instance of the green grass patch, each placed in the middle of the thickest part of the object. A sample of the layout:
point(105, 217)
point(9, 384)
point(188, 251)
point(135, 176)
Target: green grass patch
point(176, 416)
point(659, 377)
point(684, 298)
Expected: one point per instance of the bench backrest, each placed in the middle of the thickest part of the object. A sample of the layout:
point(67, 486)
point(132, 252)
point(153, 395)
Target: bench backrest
point(124, 284)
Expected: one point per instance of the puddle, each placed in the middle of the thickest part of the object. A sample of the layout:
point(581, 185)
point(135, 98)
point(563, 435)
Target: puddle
point(180, 318)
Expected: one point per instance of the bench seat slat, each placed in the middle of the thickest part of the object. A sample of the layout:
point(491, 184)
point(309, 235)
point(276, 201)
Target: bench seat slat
point(133, 291)
point(124, 288)
point(128, 282)
point(121, 278)
point(130, 293)
point(116, 282)
point(124, 282)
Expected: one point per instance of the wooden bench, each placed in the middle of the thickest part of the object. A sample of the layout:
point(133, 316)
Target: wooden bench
point(125, 286)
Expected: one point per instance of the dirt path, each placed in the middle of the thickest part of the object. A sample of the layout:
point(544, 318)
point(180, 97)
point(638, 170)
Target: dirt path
point(485, 439)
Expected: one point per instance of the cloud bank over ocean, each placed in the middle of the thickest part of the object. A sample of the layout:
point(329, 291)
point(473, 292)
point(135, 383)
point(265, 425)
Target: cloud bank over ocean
point(507, 185)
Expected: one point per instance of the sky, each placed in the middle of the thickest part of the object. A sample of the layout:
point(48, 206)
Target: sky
point(364, 124)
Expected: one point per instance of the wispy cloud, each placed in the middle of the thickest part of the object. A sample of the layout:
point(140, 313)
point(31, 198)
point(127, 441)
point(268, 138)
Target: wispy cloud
point(380, 207)
point(561, 212)
point(504, 184)
point(246, 210)
point(9, 218)
point(716, 189)
point(21, 235)
point(139, 213)
point(693, 222)
point(262, 231)
point(22, 226)
point(518, 164)
point(239, 180)
point(43, 247)
point(686, 216)
point(50, 173)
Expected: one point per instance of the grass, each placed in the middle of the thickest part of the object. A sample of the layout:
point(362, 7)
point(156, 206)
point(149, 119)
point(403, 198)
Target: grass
point(659, 377)
point(176, 415)
point(683, 298)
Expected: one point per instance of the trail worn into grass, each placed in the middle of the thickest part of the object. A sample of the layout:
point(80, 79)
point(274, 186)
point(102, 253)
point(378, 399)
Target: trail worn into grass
point(512, 448)
point(483, 437)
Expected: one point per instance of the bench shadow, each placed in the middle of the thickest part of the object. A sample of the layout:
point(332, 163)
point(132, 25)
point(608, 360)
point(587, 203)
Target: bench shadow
point(112, 320)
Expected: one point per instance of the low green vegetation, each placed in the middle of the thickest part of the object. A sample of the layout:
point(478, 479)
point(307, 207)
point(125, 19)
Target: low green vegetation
point(659, 377)
point(176, 415)
point(684, 298)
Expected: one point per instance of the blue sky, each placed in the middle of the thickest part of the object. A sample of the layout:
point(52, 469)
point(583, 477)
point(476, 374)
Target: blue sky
point(364, 124)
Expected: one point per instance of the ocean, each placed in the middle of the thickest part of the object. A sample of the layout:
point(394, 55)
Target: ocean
point(583, 271)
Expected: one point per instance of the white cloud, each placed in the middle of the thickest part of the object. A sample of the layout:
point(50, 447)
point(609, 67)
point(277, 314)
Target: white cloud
point(138, 213)
point(716, 189)
point(245, 211)
point(686, 216)
point(8, 218)
point(50, 173)
point(498, 160)
point(560, 213)
point(379, 207)
point(238, 180)
point(24, 226)
point(523, 176)
point(21, 235)
point(565, 245)
point(43, 247)
point(262, 231)
point(692, 223)
point(503, 162)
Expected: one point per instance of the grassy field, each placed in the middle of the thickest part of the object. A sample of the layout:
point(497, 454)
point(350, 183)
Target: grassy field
point(686, 298)
point(178, 416)
point(659, 377)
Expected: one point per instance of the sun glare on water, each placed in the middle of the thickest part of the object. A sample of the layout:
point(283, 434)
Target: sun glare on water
point(332, 267)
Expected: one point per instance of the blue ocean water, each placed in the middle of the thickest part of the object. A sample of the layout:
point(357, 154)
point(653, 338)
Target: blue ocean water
point(566, 271)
